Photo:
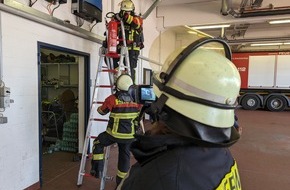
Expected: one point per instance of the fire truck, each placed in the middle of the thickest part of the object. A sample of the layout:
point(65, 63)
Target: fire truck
point(265, 80)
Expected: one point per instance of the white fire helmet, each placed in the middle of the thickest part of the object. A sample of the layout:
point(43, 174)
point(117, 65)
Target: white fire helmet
point(127, 5)
point(203, 87)
point(123, 82)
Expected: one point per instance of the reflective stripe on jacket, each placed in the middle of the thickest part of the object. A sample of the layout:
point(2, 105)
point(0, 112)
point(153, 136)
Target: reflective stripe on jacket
point(121, 119)
point(133, 26)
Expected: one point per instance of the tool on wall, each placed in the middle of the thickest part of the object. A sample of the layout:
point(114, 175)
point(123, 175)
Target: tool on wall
point(4, 101)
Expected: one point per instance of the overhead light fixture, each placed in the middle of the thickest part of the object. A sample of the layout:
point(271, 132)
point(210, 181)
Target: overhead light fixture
point(213, 48)
point(210, 26)
point(192, 32)
point(198, 32)
point(269, 44)
point(284, 21)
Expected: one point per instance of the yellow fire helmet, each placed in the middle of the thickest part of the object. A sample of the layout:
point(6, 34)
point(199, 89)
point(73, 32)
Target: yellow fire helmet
point(200, 82)
point(123, 82)
point(127, 5)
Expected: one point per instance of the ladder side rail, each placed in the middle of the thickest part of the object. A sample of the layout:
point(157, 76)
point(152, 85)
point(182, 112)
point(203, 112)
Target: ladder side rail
point(124, 50)
point(121, 68)
point(123, 33)
point(88, 129)
point(108, 148)
point(106, 163)
point(110, 67)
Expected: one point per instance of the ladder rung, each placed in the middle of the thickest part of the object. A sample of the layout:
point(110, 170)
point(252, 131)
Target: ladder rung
point(87, 175)
point(125, 66)
point(109, 70)
point(97, 102)
point(113, 55)
point(96, 119)
point(107, 178)
point(105, 86)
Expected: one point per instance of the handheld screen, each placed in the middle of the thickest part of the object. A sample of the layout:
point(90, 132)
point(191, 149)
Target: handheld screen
point(147, 94)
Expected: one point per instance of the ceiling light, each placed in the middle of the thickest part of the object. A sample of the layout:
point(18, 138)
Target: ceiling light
point(210, 26)
point(213, 48)
point(192, 32)
point(268, 44)
point(279, 21)
point(271, 44)
point(199, 33)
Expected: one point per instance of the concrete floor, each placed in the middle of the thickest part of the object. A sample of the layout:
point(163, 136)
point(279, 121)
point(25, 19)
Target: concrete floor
point(263, 153)
point(263, 156)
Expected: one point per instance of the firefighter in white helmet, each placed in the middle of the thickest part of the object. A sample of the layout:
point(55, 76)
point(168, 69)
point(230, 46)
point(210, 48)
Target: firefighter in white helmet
point(127, 5)
point(120, 129)
point(133, 26)
point(187, 147)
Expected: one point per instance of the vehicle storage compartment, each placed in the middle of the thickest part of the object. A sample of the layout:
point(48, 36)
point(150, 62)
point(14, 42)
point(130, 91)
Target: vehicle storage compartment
point(265, 80)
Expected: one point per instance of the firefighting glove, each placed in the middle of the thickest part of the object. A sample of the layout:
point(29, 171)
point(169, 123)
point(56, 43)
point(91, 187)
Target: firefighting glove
point(105, 44)
point(138, 127)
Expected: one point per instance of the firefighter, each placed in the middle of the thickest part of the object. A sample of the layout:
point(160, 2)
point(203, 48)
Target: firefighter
point(133, 26)
point(187, 147)
point(120, 129)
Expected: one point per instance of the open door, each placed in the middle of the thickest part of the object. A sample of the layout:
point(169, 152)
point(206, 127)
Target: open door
point(63, 102)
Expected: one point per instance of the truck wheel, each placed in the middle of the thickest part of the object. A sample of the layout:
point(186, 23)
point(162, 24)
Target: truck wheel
point(250, 102)
point(276, 103)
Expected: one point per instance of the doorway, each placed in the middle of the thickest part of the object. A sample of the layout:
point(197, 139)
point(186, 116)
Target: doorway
point(63, 104)
point(147, 76)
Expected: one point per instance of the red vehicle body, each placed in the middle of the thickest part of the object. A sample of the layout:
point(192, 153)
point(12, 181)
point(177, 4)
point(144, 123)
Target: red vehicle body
point(265, 80)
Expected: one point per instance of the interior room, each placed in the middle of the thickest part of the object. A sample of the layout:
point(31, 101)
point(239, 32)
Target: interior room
point(56, 69)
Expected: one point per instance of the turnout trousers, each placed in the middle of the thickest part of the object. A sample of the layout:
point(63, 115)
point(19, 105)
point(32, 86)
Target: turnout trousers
point(104, 140)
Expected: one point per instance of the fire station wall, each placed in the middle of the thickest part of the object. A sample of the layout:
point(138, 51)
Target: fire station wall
point(19, 138)
point(165, 39)
point(151, 32)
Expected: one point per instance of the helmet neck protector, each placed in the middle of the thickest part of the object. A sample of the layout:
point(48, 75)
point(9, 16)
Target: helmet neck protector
point(200, 134)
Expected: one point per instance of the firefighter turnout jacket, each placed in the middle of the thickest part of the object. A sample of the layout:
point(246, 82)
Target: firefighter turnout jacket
point(120, 130)
point(171, 162)
point(133, 26)
point(123, 113)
